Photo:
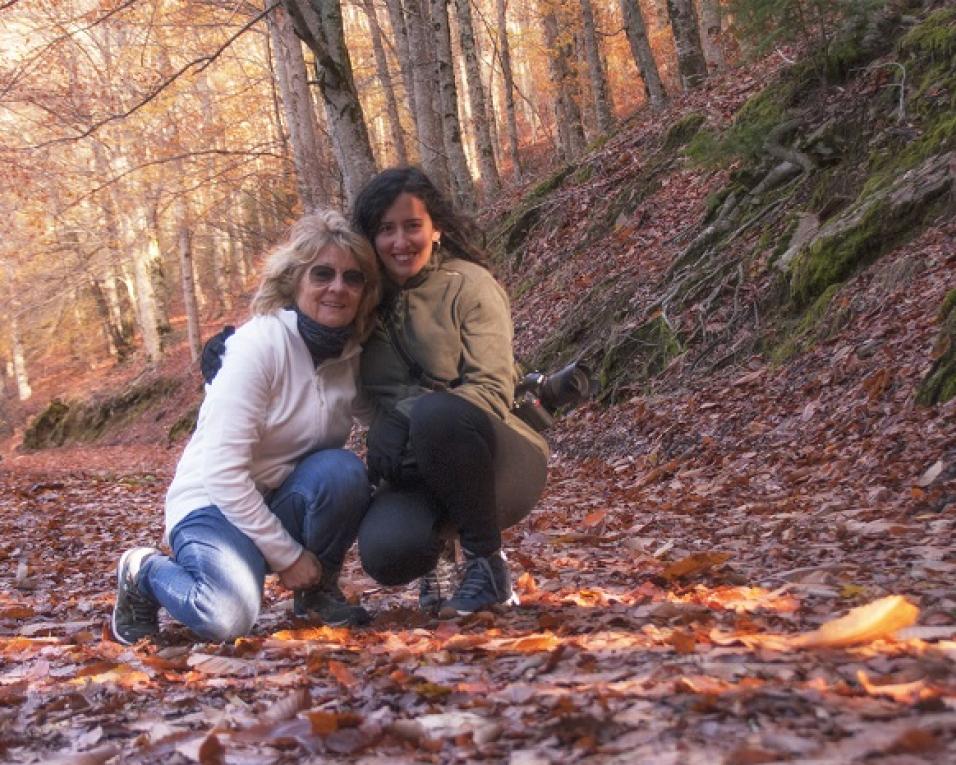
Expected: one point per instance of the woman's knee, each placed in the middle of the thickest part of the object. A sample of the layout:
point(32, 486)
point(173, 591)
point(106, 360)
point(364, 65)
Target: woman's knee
point(396, 548)
point(225, 616)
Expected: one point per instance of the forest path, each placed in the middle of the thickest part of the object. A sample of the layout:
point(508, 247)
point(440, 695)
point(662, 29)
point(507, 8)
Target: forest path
point(657, 623)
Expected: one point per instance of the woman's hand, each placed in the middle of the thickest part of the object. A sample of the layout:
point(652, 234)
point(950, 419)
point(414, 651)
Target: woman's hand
point(303, 574)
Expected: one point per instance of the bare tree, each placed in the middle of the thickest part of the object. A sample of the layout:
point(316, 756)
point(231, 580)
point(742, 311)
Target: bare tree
point(385, 78)
point(298, 108)
point(600, 95)
point(490, 182)
point(710, 33)
point(504, 54)
point(319, 24)
point(567, 112)
point(636, 31)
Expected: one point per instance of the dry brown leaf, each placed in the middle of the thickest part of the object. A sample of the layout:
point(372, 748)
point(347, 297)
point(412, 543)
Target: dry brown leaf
point(861, 625)
point(288, 707)
point(211, 751)
point(323, 723)
point(220, 665)
point(694, 564)
point(593, 519)
point(683, 642)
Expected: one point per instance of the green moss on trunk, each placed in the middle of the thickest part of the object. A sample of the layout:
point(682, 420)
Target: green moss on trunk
point(939, 385)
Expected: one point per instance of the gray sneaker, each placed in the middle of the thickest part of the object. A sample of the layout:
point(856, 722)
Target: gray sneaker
point(135, 616)
point(328, 604)
point(485, 583)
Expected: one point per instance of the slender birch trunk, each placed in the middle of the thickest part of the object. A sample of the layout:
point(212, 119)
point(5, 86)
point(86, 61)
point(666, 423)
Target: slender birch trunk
point(427, 120)
point(504, 53)
point(385, 78)
point(190, 302)
point(600, 94)
point(710, 34)
point(319, 24)
point(298, 108)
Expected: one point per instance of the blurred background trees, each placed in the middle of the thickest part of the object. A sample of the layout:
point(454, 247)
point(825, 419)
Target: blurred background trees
point(153, 148)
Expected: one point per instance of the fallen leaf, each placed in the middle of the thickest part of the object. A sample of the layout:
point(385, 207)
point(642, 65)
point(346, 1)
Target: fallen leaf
point(863, 624)
point(593, 519)
point(220, 665)
point(694, 564)
point(342, 673)
point(931, 474)
point(903, 693)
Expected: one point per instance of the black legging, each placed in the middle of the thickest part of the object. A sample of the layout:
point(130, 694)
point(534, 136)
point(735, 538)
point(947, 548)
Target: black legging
point(477, 475)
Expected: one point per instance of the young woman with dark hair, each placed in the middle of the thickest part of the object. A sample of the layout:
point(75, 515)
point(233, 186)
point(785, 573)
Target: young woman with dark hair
point(444, 447)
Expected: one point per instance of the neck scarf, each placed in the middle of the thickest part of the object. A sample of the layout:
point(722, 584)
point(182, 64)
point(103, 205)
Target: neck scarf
point(323, 342)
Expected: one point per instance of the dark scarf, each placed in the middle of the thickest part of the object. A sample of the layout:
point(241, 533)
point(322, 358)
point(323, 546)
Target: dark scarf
point(323, 342)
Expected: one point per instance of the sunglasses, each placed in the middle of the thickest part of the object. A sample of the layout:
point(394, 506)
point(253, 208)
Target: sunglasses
point(325, 275)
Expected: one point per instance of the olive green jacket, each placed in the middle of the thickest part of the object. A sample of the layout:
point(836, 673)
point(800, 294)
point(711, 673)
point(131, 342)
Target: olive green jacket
point(454, 320)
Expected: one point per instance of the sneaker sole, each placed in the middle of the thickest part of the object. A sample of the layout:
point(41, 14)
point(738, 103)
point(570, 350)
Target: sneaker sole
point(512, 600)
point(119, 579)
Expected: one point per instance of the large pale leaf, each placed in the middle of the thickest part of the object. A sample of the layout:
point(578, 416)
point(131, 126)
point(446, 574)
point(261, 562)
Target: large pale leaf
point(861, 625)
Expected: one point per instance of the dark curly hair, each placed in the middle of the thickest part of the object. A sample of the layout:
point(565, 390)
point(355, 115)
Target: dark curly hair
point(459, 236)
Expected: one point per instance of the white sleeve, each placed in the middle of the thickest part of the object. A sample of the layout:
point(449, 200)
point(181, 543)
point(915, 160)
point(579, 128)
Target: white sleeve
point(236, 413)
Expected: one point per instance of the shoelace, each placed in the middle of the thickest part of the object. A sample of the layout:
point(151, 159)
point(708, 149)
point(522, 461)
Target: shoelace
point(477, 573)
point(144, 610)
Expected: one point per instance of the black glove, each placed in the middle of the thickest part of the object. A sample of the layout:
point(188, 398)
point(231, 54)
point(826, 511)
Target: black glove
point(389, 455)
point(210, 362)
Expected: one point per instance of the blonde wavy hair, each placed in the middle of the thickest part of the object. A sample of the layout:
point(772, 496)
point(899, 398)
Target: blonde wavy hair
point(287, 262)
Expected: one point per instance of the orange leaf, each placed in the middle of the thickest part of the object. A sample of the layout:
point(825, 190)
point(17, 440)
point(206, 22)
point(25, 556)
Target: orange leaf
point(593, 519)
point(863, 624)
point(694, 564)
point(211, 751)
point(323, 723)
point(342, 673)
point(683, 642)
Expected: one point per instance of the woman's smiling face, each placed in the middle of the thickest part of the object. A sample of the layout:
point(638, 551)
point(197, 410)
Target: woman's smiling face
point(405, 237)
point(330, 288)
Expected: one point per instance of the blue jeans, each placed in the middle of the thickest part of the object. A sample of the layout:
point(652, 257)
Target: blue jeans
point(213, 581)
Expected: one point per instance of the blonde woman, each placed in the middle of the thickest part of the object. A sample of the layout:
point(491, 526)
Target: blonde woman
point(264, 483)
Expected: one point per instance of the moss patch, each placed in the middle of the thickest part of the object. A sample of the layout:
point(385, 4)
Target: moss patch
point(637, 354)
point(939, 385)
point(682, 131)
point(808, 329)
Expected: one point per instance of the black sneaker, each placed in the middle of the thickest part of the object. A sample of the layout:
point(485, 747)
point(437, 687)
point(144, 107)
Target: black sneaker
point(328, 604)
point(441, 579)
point(135, 616)
point(485, 583)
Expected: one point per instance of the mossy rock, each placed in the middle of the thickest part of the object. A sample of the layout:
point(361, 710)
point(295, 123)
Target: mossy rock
point(68, 422)
point(939, 385)
point(184, 426)
point(871, 227)
point(44, 429)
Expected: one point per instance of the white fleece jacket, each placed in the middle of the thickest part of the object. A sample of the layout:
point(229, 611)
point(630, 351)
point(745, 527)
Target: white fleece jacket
point(267, 407)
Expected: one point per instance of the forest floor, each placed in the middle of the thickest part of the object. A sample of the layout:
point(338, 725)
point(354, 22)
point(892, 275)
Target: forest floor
point(675, 580)
point(753, 566)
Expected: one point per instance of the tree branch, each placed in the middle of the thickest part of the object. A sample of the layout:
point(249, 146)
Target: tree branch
point(199, 63)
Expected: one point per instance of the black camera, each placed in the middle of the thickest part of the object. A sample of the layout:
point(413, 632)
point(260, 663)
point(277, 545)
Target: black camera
point(539, 396)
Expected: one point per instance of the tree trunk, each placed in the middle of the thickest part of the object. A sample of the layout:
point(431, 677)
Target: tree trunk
point(690, 55)
point(19, 360)
point(636, 31)
point(603, 109)
point(299, 108)
point(319, 24)
point(184, 248)
point(462, 184)
point(567, 113)
point(490, 182)
point(385, 77)
point(427, 119)
point(396, 18)
point(147, 309)
point(710, 34)
point(504, 53)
